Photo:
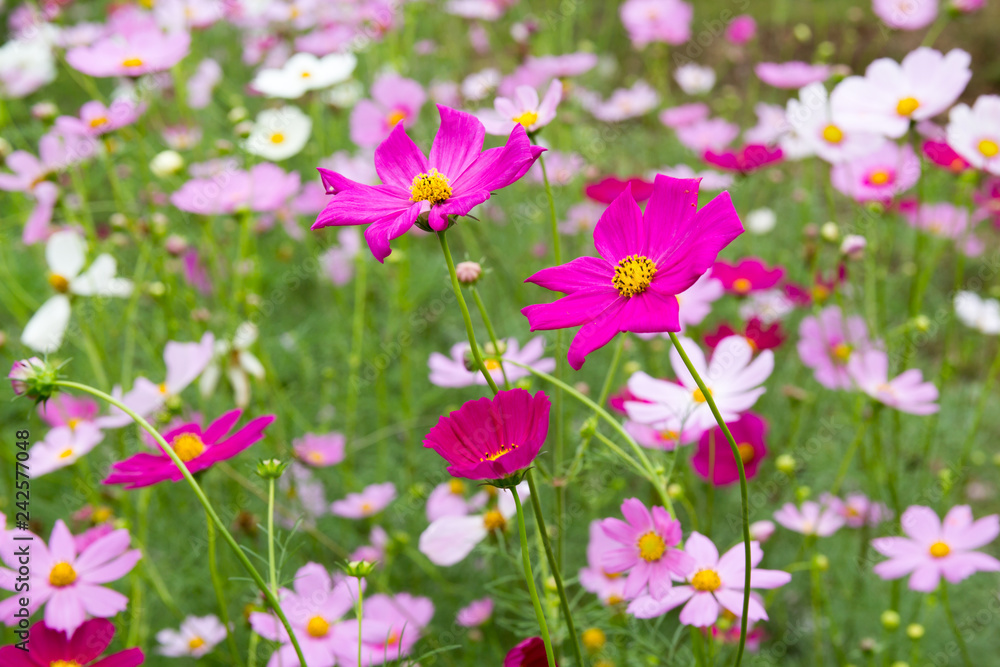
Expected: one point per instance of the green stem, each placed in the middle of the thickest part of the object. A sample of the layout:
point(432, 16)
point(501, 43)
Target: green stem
point(359, 610)
point(984, 397)
point(203, 499)
point(220, 595)
point(489, 329)
point(954, 626)
point(272, 565)
point(743, 490)
point(536, 505)
point(357, 344)
point(470, 332)
point(530, 578)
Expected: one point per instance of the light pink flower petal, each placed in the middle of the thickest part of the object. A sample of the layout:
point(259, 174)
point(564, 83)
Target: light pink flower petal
point(701, 611)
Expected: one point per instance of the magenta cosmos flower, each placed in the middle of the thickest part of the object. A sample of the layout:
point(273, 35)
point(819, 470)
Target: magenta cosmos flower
point(935, 549)
point(492, 439)
point(647, 550)
point(744, 160)
point(142, 52)
point(68, 581)
point(750, 275)
point(713, 584)
point(529, 653)
point(198, 449)
point(54, 648)
point(719, 465)
point(646, 260)
point(456, 176)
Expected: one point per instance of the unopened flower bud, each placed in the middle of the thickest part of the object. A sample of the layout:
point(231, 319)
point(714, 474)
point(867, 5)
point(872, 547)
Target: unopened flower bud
point(631, 367)
point(867, 645)
point(914, 631)
point(45, 110)
point(853, 246)
point(166, 163)
point(921, 323)
point(271, 468)
point(890, 619)
point(675, 491)
point(175, 244)
point(238, 114)
point(359, 569)
point(830, 232)
point(802, 493)
point(802, 32)
point(33, 378)
point(785, 463)
point(821, 562)
point(468, 272)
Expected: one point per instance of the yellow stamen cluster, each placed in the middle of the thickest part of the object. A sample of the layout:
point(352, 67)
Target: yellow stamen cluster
point(98, 122)
point(494, 520)
point(940, 550)
point(907, 106)
point(527, 119)
point(747, 452)
point(879, 177)
point(431, 186)
point(651, 547)
point(64, 663)
point(742, 285)
point(196, 643)
point(988, 147)
point(699, 396)
point(66, 453)
point(59, 283)
point(842, 352)
point(493, 456)
point(706, 580)
point(317, 627)
point(188, 446)
point(395, 117)
point(633, 275)
point(457, 487)
point(132, 62)
point(833, 134)
point(62, 574)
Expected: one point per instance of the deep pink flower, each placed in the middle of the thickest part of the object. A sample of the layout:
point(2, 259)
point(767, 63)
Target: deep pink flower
point(48, 647)
point(646, 260)
point(943, 155)
point(265, 187)
point(456, 176)
point(741, 29)
point(198, 449)
point(747, 159)
point(713, 584)
point(935, 549)
point(610, 188)
point(138, 53)
point(750, 275)
point(492, 439)
point(647, 540)
point(759, 336)
point(529, 653)
point(748, 432)
point(794, 74)
point(397, 101)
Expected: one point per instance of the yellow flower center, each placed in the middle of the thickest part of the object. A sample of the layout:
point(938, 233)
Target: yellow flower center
point(395, 117)
point(64, 663)
point(457, 487)
point(633, 275)
point(706, 580)
point(610, 575)
point(162, 387)
point(431, 186)
point(306, 75)
point(66, 453)
point(101, 514)
point(366, 507)
point(820, 293)
point(494, 520)
point(527, 119)
point(651, 547)
point(593, 639)
point(699, 397)
point(73, 423)
point(315, 457)
point(188, 446)
point(98, 122)
point(940, 550)
point(988, 147)
point(493, 456)
point(59, 283)
point(668, 434)
point(277, 138)
point(615, 599)
point(317, 627)
point(132, 62)
point(879, 177)
point(907, 105)
point(491, 364)
point(747, 452)
point(742, 285)
point(833, 134)
point(62, 574)
point(842, 352)
point(196, 643)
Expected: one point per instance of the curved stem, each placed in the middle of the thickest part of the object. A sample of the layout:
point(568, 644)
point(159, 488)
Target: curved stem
point(203, 499)
point(954, 626)
point(220, 595)
point(470, 332)
point(743, 489)
point(489, 329)
point(530, 578)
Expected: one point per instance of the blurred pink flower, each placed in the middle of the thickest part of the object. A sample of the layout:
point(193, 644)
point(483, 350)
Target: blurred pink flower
point(944, 220)
point(657, 21)
point(685, 114)
point(370, 501)
point(135, 54)
point(906, 14)
point(320, 450)
point(878, 176)
point(396, 100)
point(458, 369)
point(741, 29)
point(906, 392)
point(450, 538)
point(793, 74)
point(200, 85)
point(857, 509)
point(625, 103)
point(266, 187)
point(826, 343)
point(714, 133)
point(476, 613)
point(96, 119)
point(811, 519)
point(609, 587)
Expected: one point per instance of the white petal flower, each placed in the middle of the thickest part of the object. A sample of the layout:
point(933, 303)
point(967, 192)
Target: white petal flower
point(279, 133)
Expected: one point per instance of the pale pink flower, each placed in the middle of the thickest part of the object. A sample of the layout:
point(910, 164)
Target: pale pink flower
point(197, 636)
point(626, 103)
point(562, 168)
point(811, 519)
point(714, 133)
point(685, 114)
point(476, 613)
point(538, 71)
point(370, 501)
point(374, 551)
point(96, 119)
point(135, 54)
point(320, 450)
point(906, 14)
point(945, 220)
point(906, 392)
point(523, 109)
point(581, 218)
point(772, 123)
point(448, 499)
point(878, 176)
point(394, 100)
point(206, 77)
point(459, 370)
point(761, 531)
point(793, 74)
point(340, 260)
point(974, 132)
point(826, 343)
point(657, 21)
point(609, 587)
point(857, 509)
point(63, 446)
point(265, 187)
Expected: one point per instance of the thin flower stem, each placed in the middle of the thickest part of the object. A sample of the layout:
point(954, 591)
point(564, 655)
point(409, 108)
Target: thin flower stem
point(530, 579)
point(984, 397)
point(536, 505)
point(272, 565)
point(954, 626)
point(605, 392)
point(743, 490)
point(470, 332)
point(489, 329)
point(359, 610)
point(220, 595)
point(203, 499)
point(357, 344)
point(852, 449)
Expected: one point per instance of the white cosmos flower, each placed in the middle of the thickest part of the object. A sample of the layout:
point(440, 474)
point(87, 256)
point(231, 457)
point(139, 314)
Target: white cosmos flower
point(978, 313)
point(695, 79)
point(279, 133)
point(239, 364)
point(450, 539)
point(974, 132)
point(66, 254)
point(304, 72)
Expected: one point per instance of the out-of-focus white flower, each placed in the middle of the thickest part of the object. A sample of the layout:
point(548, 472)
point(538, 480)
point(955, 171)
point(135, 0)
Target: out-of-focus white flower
point(480, 84)
point(239, 364)
point(978, 313)
point(760, 221)
point(25, 66)
point(166, 163)
point(344, 95)
point(279, 133)
point(197, 636)
point(304, 72)
point(695, 79)
point(974, 132)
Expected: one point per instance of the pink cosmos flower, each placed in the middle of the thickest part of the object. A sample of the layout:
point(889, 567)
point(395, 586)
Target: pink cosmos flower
point(448, 499)
point(301, 486)
point(646, 259)
point(47, 647)
point(320, 451)
point(449, 539)
point(656, 21)
point(772, 125)
point(825, 131)
point(733, 377)
point(96, 119)
point(339, 261)
point(647, 549)
point(63, 446)
point(935, 549)
point(761, 531)
point(906, 392)
point(372, 500)
point(711, 133)
point(562, 168)
point(811, 519)
point(974, 132)
point(744, 160)
point(609, 587)
point(135, 54)
point(30, 174)
point(374, 551)
point(529, 653)
point(826, 343)
point(476, 613)
point(857, 509)
point(750, 275)
point(610, 188)
point(793, 74)
point(625, 103)
point(492, 439)
point(892, 94)
point(265, 187)
point(396, 101)
point(713, 584)
point(906, 14)
point(685, 114)
point(714, 459)
point(944, 220)
point(760, 337)
point(315, 607)
point(206, 77)
point(391, 626)
point(198, 449)
point(880, 175)
point(581, 218)
point(455, 178)
point(538, 71)
point(70, 581)
point(741, 29)
point(524, 109)
point(197, 636)
point(459, 369)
